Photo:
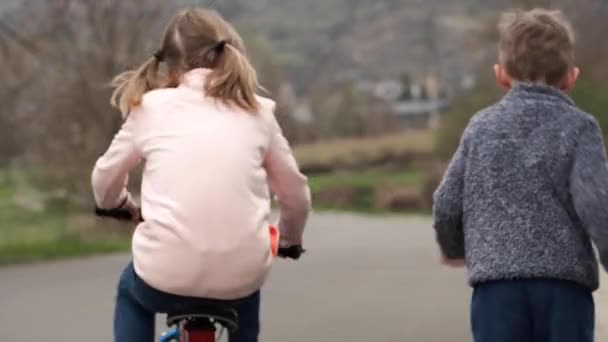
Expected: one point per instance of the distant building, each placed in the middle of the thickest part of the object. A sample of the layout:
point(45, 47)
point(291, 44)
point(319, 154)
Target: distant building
point(415, 104)
point(302, 113)
point(389, 90)
point(418, 113)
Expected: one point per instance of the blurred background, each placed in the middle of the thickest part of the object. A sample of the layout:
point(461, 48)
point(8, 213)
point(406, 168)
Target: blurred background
point(373, 96)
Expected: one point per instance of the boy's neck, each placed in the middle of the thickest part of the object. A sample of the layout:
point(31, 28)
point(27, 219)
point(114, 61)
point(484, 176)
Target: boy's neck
point(516, 83)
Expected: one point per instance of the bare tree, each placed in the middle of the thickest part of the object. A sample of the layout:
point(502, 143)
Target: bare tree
point(529, 4)
point(58, 72)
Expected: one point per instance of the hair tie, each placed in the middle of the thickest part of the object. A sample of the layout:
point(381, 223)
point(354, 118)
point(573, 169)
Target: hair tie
point(220, 45)
point(159, 55)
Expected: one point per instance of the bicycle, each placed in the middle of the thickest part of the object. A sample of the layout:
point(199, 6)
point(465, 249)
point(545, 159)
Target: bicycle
point(199, 324)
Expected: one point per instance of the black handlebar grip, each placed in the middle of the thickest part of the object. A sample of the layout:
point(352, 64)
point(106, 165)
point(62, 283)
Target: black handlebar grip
point(122, 214)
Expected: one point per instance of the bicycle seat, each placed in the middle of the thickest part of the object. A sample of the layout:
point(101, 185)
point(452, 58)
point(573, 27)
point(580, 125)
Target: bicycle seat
point(216, 312)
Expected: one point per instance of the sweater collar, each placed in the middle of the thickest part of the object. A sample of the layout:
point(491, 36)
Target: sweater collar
point(535, 91)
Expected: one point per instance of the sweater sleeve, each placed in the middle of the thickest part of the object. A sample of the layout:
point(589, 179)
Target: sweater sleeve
point(589, 186)
point(111, 172)
point(447, 207)
point(289, 185)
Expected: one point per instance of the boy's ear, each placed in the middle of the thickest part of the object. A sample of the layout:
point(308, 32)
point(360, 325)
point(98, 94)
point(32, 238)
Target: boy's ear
point(570, 80)
point(502, 78)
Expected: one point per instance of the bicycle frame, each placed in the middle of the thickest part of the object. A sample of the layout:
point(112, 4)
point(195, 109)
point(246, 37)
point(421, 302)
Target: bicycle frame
point(183, 334)
point(171, 335)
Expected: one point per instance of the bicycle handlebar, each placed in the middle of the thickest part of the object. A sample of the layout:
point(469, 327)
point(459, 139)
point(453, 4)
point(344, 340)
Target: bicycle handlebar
point(123, 214)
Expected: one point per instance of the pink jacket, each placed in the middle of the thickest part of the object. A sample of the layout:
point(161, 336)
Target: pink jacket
point(205, 190)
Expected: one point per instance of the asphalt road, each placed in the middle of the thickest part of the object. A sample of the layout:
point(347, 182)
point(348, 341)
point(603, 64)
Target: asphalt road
point(363, 279)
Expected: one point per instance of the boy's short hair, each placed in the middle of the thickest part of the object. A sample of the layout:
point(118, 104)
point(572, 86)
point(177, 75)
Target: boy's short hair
point(536, 45)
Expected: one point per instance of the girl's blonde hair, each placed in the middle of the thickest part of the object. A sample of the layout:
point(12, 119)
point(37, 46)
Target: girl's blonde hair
point(195, 38)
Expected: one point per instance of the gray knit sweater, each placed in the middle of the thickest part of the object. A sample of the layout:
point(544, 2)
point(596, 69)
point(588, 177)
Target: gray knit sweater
point(526, 192)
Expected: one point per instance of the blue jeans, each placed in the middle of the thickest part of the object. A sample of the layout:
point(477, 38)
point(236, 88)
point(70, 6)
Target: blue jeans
point(137, 304)
point(532, 311)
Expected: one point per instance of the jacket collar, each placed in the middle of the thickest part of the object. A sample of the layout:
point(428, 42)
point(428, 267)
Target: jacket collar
point(195, 78)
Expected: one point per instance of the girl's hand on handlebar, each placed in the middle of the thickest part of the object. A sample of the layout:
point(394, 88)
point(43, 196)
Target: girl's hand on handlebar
point(133, 208)
point(292, 252)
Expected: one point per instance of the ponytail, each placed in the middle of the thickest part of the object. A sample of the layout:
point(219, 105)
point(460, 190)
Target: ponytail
point(192, 40)
point(234, 80)
point(130, 86)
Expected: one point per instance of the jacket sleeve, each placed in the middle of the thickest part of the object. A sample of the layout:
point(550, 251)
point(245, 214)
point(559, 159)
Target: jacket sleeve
point(289, 185)
point(447, 207)
point(111, 172)
point(589, 186)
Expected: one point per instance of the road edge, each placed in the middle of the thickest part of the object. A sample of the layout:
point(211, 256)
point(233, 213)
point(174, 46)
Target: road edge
point(601, 302)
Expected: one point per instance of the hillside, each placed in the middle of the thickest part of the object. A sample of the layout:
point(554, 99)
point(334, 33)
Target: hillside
point(327, 40)
point(354, 38)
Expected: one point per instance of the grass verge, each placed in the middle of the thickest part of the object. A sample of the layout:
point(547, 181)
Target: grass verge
point(370, 191)
point(47, 232)
point(360, 154)
point(65, 245)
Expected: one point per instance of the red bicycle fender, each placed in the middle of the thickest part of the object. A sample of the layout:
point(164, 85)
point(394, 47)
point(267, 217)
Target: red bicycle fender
point(274, 240)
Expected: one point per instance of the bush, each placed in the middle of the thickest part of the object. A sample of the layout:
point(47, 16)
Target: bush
point(399, 199)
point(456, 119)
point(430, 184)
point(592, 98)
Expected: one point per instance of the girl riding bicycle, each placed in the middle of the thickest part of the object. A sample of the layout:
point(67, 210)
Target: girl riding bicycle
point(212, 148)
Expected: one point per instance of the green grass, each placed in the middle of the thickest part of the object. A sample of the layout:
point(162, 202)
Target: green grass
point(39, 235)
point(365, 179)
point(358, 191)
point(60, 246)
point(28, 237)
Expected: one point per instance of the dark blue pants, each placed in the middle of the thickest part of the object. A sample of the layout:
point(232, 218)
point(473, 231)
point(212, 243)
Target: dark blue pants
point(532, 311)
point(137, 305)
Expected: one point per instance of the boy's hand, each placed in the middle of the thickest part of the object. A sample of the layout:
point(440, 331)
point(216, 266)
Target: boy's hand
point(456, 263)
